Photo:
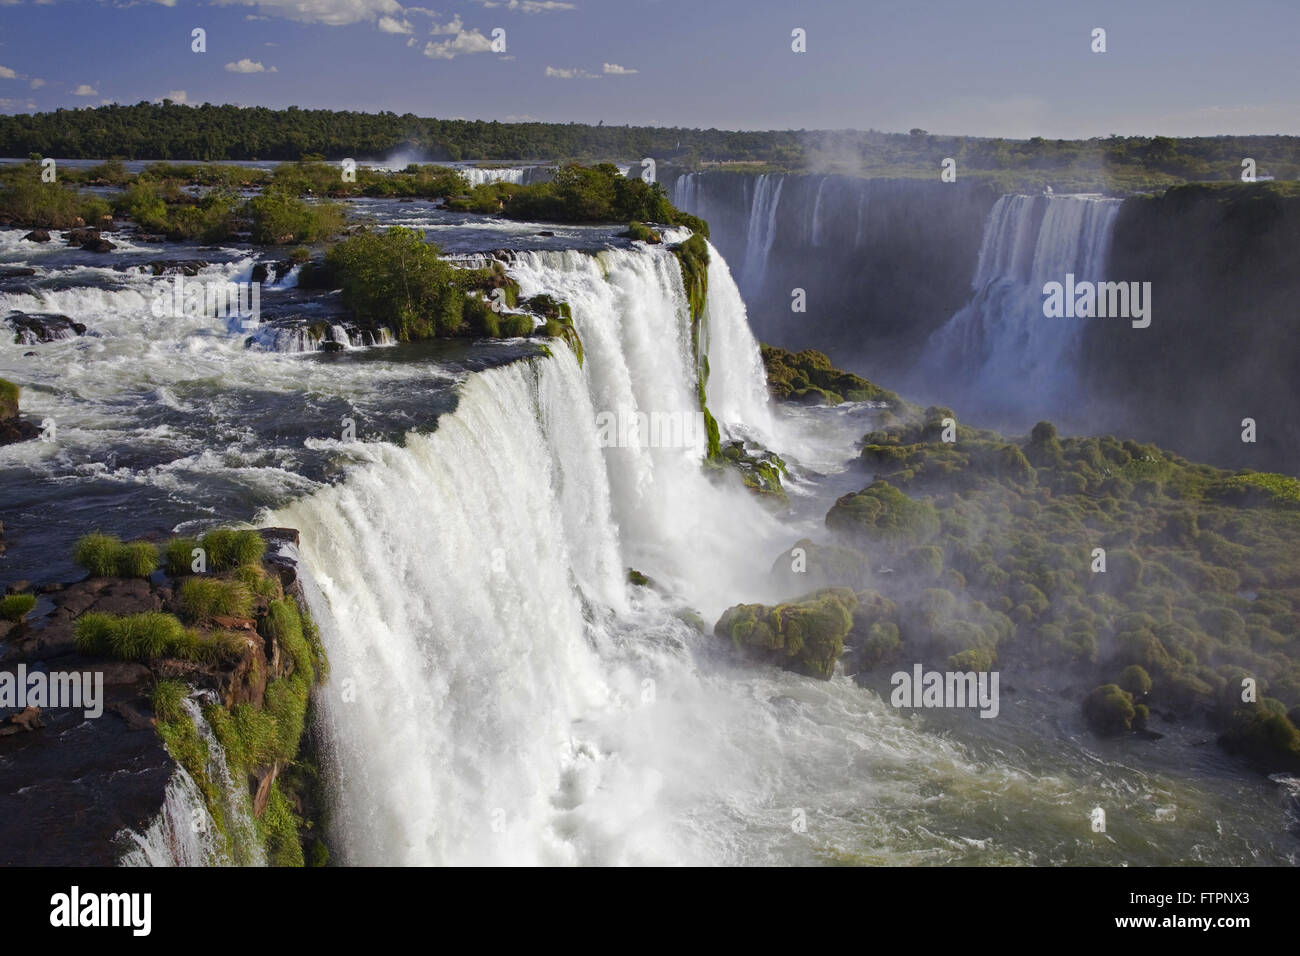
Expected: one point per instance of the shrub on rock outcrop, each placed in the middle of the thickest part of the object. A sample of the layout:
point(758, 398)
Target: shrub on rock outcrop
point(1109, 709)
point(806, 635)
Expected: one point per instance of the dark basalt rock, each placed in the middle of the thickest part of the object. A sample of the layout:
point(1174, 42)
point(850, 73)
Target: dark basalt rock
point(16, 430)
point(72, 784)
point(31, 328)
point(170, 267)
point(38, 235)
point(16, 272)
point(98, 245)
point(81, 235)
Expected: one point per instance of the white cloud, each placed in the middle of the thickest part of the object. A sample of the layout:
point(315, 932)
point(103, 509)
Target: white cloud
point(85, 89)
point(334, 13)
point(455, 26)
point(176, 96)
point(530, 6)
point(574, 74)
point(464, 43)
point(540, 6)
point(613, 69)
point(248, 66)
point(7, 74)
point(37, 83)
point(392, 25)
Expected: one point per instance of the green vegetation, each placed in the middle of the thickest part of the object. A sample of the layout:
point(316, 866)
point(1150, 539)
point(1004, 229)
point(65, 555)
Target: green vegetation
point(26, 201)
point(399, 280)
point(580, 194)
point(229, 549)
point(104, 556)
point(1166, 581)
point(203, 598)
point(278, 217)
point(881, 513)
point(150, 635)
point(178, 556)
point(15, 607)
point(1109, 709)
point(9, 394)
point(761, 471)
point(806, 635)
point(809, 377)
point(262, 731)
point(641, 232)
point(208, 132)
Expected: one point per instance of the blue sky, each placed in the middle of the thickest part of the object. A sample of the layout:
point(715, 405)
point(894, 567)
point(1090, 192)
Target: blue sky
point(1014, 68)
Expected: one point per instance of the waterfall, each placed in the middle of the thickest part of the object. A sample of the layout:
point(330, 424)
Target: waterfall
point(479, 177)
point(877, 275)
point(737, 379)
point(1005, 351)
point(499, 694)
point(762, 225)
point(184, 833)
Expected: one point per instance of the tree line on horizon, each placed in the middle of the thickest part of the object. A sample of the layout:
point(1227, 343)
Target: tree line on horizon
point(210, 132)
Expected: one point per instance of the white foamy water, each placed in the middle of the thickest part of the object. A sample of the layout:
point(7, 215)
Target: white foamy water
point(184, 833)
point(1008, 352)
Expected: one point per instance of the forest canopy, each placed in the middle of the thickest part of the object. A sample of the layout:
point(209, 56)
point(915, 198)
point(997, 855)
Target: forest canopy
point(209, 132)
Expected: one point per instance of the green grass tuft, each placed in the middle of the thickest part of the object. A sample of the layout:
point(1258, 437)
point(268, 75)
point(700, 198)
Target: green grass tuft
point(15, 607)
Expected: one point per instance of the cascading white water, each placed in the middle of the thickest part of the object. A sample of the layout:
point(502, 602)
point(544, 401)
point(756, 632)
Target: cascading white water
point(630, 309)
point(737, 386)
point(1001, 340)
point(479, 177)
point(184, 832)
point(498, 693)
point(817, 232)
point(762, 225)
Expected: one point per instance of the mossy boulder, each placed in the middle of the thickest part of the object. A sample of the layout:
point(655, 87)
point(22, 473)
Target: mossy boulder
point(881, 513)
point(809, 377)
point(8, 399)
point(805, 635)
point(1265, 737)
point(1135, 680)
point(1109, 710)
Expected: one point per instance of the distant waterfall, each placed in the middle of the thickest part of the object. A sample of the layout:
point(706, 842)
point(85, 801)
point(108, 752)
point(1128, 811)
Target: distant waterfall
point(999, 353)
point(762, 225)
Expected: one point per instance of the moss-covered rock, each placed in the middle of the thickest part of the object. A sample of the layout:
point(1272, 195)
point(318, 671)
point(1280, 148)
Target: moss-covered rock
point(1264, 737)
point(882, 514)
point(808, 377)
point(1109, 710)
point(9, 393)
point(806, 635)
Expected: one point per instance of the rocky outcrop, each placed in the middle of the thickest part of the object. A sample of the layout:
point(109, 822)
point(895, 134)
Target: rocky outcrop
point(74, 782)
point(1221, 346)
point(805, 635)
point(32, 328)
point(12, 428)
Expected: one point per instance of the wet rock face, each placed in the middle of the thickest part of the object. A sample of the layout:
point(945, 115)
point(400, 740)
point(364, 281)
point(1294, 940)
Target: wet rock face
point(71, 784)
point(68, 783)
point(32, 328)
